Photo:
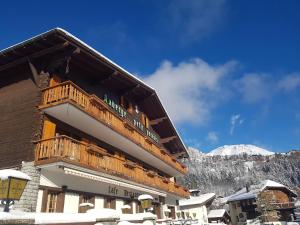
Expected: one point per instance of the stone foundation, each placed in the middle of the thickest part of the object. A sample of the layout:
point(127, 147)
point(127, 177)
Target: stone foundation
point(28, 200)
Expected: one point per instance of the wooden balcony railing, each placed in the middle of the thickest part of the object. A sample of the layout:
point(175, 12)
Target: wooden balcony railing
point(97, 108)
point(283, 205)
point(64, 148)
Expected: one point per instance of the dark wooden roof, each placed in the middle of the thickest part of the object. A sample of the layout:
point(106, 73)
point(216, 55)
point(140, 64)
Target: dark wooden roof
point(57, 41)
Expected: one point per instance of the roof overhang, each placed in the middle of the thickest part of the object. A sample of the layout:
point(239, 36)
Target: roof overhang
point(58, 39)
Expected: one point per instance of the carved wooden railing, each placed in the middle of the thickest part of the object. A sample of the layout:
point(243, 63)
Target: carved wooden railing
point(91, 156)
point(283, 205)
point(97, 108)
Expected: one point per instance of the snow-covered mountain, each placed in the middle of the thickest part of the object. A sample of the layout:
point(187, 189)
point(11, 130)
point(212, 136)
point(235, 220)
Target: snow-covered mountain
point(230, 150)
point(225, 174)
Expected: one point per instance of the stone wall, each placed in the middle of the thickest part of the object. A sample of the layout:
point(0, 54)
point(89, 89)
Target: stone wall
point(28, 200)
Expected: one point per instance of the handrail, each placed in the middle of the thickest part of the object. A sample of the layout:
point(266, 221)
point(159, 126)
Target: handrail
point(67, 148)
point(70, 91)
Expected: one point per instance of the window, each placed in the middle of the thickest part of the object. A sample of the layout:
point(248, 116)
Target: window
point(110, 203)
point(128, 211)
point(86, 198)
point(53, 201)
point(51, 205)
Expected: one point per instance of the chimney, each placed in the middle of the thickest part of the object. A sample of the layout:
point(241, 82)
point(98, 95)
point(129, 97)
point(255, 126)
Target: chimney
point(247, 187)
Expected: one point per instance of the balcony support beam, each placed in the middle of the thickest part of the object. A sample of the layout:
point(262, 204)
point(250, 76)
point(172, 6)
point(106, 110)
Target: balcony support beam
point(145, 98)
point(129, 90)
point(158, 120)
point(168, 139)
point(108, 77)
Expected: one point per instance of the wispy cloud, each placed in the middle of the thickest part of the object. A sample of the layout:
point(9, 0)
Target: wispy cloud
point(290, 82)
point(235, 120)
point(212, 137)
point(195, 19)
point(255, 87)
point(191, 89)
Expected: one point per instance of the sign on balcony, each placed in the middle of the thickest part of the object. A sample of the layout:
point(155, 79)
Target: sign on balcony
point(123, 113)
point(115, 106)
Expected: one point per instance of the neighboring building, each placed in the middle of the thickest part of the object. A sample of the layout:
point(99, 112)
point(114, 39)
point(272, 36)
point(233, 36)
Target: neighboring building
point(218, 216)
point(197, 206)
point(84, 129)
point(269, 200)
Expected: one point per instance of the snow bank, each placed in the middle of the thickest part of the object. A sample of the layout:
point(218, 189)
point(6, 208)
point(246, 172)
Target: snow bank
point(54, 218)
point(138, 217)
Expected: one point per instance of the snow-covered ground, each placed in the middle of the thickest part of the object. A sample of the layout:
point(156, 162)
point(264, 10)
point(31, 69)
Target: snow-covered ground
point(105, 215)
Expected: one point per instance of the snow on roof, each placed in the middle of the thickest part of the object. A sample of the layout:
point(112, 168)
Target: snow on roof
point(216, 213)
point(5, 174)
point(270, 183)
point(254, 190)
point(199, 200)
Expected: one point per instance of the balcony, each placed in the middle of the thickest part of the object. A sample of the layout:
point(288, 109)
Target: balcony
point(68, 103)
point(66, 149)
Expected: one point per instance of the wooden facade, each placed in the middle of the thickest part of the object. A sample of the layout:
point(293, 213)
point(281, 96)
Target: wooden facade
point(55, 68)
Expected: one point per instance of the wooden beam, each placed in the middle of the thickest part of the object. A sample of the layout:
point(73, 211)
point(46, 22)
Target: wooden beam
point(158, 120)
point(128, 90)
point(34, 55)
point(108, 77)
point(178, 154)
point(168, 139)
point(145, 98)
point(103, 61)
point(34, 73)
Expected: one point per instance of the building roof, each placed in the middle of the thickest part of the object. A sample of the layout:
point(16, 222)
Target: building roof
point(58, 39)
point(199, 200)
point(255, 189)
point(216, 213)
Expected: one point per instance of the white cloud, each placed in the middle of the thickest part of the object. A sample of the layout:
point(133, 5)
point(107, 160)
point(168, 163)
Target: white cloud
point(212, 137)
point(196, 19)
point(289, 82)
point(235, 120)
point(254, 87)
point(190, 89)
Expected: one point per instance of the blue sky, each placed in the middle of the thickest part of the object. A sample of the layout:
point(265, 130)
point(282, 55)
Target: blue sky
point(227, 71)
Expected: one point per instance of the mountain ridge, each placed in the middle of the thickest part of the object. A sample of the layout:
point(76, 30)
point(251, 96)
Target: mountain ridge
point(229, 150)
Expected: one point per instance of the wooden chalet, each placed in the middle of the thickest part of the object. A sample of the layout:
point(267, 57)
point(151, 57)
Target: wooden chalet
point(85, 129)
point(267, 201)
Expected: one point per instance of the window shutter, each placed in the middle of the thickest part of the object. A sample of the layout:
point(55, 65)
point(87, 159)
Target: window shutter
point(48, 129)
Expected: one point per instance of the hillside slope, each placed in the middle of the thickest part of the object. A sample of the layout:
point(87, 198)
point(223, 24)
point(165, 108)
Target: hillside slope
point(226, 174)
